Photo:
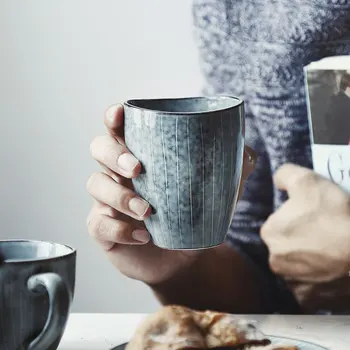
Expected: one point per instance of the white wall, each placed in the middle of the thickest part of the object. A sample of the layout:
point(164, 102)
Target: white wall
point(61, 63)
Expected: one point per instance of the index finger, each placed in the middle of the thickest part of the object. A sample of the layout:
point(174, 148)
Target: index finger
point(292, 178)
point(114, 121)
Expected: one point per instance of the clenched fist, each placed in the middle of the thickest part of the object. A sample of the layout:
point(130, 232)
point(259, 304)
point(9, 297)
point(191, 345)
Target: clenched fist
point(308, 239)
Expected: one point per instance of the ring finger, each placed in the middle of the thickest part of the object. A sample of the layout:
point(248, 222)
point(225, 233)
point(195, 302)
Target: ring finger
point(109, 231)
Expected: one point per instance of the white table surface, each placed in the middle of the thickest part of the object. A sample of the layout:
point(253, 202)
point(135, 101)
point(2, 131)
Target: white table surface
point(104, 331)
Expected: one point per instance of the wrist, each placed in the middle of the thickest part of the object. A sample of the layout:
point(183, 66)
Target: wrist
point(207, 282)
point(181, 267)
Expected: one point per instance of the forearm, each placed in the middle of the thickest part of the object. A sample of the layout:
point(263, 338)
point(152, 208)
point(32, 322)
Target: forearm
point(219, 279)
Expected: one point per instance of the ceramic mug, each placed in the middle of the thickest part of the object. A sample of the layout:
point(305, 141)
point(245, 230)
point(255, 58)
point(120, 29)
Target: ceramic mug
point(191, 150)
point(36, 290)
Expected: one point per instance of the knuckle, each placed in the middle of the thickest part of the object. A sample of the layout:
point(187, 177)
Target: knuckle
point(346, 204)
point(109, 211)
point(340, 199)
point(307, 179)
point(118, 231)
point(88, 221)
point(277, 260)
point(94, 145)
point(97, 228)
point(123, 199)
point(274, 263)
point(93, 212)
point(266, 229)
point(282, 171)
point(93, 224)
point(90, 185)
point(110, 155)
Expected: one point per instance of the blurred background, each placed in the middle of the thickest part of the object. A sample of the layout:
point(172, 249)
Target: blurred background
point(62, 62)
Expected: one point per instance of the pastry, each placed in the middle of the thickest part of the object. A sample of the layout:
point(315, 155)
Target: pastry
point(180, 328)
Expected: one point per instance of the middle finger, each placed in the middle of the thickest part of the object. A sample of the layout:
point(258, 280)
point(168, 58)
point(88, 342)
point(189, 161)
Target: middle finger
point(106, 190)
point(107, 151)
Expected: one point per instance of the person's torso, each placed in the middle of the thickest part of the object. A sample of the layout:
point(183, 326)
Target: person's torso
point(256, 49)
point(246, 45)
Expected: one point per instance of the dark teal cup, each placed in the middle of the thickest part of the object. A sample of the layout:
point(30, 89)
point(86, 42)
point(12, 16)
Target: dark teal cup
point(37, 282)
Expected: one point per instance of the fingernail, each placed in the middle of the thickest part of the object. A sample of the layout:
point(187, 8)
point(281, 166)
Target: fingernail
point(141, 236)
point(127, 162)
point(138, 206)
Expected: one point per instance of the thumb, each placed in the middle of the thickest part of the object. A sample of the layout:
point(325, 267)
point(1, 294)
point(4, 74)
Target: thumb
point(249, 161)
point(114, 121)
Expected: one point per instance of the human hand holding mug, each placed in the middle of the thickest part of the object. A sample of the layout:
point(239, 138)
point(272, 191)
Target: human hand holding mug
point(116, 220)
point(191, 151)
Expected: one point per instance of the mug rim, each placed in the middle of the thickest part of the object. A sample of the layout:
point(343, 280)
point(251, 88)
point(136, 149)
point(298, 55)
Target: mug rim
point(72, 251)
point(131, 103)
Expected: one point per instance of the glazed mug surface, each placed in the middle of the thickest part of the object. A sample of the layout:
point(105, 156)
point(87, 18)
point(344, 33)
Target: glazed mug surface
point(191, 150)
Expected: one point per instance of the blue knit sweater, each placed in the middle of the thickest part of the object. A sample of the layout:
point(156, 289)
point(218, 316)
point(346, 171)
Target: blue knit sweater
point(256, 49)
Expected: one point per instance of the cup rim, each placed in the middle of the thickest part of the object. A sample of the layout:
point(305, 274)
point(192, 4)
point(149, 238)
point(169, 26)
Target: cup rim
point(72, 251)
point(132, 104)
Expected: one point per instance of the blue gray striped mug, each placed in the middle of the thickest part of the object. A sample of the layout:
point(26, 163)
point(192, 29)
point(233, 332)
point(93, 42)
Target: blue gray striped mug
point(191, 150)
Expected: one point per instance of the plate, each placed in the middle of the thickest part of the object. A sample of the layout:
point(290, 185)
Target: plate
point(303, 345)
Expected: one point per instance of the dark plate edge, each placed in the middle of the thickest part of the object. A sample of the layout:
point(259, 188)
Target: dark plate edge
point(120, 347)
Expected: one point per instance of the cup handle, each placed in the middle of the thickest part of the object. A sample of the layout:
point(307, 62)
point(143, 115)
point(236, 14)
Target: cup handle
point(59, 299)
